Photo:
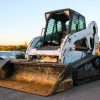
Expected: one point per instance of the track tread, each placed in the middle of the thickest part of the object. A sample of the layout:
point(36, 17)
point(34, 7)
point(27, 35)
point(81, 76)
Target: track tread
point(81, 64)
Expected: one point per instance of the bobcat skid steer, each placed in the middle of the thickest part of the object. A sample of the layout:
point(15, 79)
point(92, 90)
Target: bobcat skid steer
point(63, 56)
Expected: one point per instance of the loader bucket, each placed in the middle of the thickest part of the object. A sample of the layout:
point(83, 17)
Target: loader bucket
point(34, 77)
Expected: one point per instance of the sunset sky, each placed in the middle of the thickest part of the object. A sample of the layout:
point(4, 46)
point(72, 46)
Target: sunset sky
point(21, 20)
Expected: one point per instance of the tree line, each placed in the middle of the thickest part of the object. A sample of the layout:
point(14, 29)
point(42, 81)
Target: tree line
point(13, 47)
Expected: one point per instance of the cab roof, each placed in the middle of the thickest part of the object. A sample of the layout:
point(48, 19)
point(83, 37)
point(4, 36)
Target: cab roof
point(67, 11)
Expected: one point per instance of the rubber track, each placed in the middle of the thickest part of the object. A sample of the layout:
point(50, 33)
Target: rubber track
point(81, 63)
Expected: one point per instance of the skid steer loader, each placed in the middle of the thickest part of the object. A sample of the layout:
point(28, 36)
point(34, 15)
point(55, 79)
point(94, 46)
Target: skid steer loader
point(63, 56)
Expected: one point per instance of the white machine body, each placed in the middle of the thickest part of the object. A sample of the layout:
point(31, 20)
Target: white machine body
point(66, 52)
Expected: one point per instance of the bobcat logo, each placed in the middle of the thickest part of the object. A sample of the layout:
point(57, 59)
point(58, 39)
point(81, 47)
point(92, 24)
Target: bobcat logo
point(89, 67)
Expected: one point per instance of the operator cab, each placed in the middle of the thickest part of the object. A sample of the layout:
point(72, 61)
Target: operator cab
point(61, 23)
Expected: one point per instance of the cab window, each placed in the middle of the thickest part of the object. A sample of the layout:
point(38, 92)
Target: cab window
point(78, 23)
point(74, 23)
point(81, 23)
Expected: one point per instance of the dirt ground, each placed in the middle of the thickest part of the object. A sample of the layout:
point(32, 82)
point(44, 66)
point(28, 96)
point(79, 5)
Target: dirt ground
point(89, 91)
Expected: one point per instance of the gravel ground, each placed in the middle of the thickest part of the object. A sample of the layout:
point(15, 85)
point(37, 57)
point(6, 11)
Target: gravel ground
point(89, 91)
